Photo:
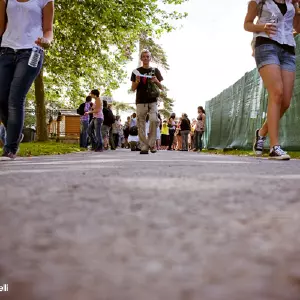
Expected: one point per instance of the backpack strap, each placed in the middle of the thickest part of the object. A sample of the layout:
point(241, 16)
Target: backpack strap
point(261, 6)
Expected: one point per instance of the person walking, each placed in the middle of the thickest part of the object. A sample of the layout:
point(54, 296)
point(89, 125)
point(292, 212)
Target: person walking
point(172, 130)
point(109, 120)
point(116, 128)
point(84, 121)
point(95, 129)
point(23, 25)
point(199, 129)
point(276, 62)
point(147, 93)
point(185, 131)
point(164, 135)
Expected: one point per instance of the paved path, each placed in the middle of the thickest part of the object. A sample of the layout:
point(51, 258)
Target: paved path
point(169, 226)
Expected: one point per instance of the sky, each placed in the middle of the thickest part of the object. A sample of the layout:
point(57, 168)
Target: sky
point(208, 53)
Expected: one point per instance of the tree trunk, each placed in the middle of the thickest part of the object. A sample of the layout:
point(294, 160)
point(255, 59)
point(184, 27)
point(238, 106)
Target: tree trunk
point(40, 109)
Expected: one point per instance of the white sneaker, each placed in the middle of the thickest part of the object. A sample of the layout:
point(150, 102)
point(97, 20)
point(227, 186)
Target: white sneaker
point(277, 153)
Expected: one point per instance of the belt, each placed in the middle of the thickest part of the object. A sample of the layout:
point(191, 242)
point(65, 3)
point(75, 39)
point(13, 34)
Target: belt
point(7, 49)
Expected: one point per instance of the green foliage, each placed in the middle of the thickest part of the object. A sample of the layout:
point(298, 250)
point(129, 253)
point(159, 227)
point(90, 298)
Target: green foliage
point(122, 107)
point(158, 54)
point(94, 40)
point(168, 103)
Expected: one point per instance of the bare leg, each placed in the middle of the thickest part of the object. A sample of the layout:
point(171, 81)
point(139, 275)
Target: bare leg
point(272, 78)
point(288, 79)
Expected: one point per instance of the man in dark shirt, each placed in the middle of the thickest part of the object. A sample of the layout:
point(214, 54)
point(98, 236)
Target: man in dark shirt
point(109, 120)
point(146, 103)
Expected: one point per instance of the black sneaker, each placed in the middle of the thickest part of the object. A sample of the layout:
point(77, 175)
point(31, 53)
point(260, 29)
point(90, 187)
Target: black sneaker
point(153, 150)
point(8, 156)
point(258, 146)
point(144, 152)
point(277, 153)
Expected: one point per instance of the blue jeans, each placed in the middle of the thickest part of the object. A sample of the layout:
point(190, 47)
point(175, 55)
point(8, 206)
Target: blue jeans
point(16, 78)
point(198, 140)
point(91, 134)
point(2, 134)
point(99, 141)
point(84, 125)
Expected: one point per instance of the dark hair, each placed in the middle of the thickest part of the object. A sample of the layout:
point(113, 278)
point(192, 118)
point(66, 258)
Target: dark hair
point(88, 99)
point(105, 104)
point(134, 115)
point(159, 117)
point(95, 92)
point(147, 118)
point(117, 118)
point(202, 109)
point(173, 115)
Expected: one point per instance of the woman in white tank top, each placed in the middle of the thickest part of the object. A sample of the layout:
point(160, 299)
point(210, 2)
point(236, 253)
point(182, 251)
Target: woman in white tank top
point(276, 61)
point(23, 25)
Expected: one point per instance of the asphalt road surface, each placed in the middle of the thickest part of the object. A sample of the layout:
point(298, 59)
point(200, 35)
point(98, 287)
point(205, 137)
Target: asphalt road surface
point(165, 226)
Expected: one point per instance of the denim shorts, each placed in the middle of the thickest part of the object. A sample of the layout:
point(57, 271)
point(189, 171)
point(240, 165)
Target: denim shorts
point(271, 54)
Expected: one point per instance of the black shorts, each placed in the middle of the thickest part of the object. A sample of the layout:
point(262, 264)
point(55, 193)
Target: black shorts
point(165, 140)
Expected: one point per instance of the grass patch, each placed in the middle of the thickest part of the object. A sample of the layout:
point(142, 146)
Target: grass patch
point(47, 148)
point(246, 153)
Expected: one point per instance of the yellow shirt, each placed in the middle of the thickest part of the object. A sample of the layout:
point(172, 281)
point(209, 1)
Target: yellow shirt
point(165, 129)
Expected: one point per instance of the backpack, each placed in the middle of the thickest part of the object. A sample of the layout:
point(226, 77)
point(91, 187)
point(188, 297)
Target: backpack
point(80, 109)
point(111, 117)
point(133, 131)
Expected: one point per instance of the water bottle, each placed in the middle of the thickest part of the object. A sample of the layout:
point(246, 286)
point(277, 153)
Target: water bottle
point(273, 19)
point(35, 57)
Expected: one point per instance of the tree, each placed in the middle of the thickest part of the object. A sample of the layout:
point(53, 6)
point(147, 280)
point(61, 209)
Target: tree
point(159, 56)
point(93, 42)
point(122, 107)
point(168, 103)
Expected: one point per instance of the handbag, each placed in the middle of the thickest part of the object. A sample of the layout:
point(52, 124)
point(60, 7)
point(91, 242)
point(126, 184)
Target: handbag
point(5, 22)
point(152, 89)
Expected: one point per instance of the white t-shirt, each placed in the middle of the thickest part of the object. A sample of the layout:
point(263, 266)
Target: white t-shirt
point(24, 23)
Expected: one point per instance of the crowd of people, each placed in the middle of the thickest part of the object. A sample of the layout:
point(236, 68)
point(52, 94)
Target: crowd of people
point(172, 133)
point(145, 130)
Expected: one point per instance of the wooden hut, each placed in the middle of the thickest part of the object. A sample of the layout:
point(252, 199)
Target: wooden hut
point(65, 126)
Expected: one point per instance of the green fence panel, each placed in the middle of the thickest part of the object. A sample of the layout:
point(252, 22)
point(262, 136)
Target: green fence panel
point(234, 115)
